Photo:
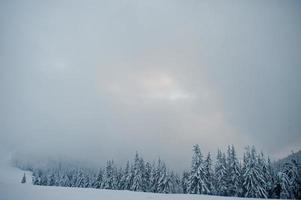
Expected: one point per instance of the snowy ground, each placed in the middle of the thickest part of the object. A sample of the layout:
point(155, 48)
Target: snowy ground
point(12, 189)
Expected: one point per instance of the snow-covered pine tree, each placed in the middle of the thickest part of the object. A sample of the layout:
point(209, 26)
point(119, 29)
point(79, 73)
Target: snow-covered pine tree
point(98, 181)
point(118, 178)
point(23, 179)
point(234, 180)
point(184, 182)
point(155, 175)
point(80, 181)
point(108, 180)
point(193, 186)
point(147, 176)
point(64, 181)
point(121, 182)
point(285, 191)
point(73, 177)
point(50, 179)
point(176, 186)
point(297, 184)
point(162, 182)
point(209, 175)
point(70, 178)
point(58, 177)
point(131, 177)
point(267, 172)
point(165, 182)
point(87, 181)
point(142, 170)
point(296, 179)
point(270, 179)
point(36, 176)
point(126, 179)
point(254, 183)
point(44, 180)
point(137, 176)
point(289, 177)
point(220, 174)
point(197, 178)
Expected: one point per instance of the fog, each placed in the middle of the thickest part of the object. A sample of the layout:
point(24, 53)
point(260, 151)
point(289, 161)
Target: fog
point(98, 80)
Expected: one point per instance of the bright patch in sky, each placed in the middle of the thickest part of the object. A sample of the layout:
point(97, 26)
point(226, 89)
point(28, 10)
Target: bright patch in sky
point(143, 85)
point(162, 86)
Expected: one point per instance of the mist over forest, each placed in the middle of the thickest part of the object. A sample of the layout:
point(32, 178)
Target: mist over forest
point(90, 83)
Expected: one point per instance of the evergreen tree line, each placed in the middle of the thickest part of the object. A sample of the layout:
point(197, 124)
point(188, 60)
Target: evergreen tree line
point(253, 176)
point(137, 176)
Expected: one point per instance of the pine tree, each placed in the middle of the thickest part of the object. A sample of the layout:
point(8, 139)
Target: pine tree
point(268, 174)
point(23, 179)
point(36, 176)
point(296, 178)
point(175, 181)
point(108, 182)
point(269, 177)
point(254, 184)
point(155, 176)
point(137, 177)
point(209, 175)
point(64, 181)
point(69, 178)
point(80, 181)
point(44, 180)
point(289, 177)
point(87, 183)
point(147, 176)
point(197, 179)
point(125, 181)
point(119, 177)
point(73, 177)
point(163, 182)
point(115, 176)
point(99, 179)
point(193, 186)
point(285, 191)
point(220, 174)
point(130, 177)
point(233, 173)
point(50, 179)
point(143, 175)
point(184, 182)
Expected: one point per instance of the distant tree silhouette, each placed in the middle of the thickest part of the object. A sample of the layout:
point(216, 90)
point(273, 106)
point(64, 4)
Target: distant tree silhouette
point(23, 179)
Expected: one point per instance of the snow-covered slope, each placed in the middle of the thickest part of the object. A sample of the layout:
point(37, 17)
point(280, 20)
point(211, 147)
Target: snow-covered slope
point(12, 189)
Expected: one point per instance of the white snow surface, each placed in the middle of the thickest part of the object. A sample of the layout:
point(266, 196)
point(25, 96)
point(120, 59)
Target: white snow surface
point(11, 188)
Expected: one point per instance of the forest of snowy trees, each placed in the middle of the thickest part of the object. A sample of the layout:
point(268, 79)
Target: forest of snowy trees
point(252, 176)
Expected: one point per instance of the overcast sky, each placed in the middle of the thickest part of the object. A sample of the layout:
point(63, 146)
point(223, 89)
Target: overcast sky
point(98, 80)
